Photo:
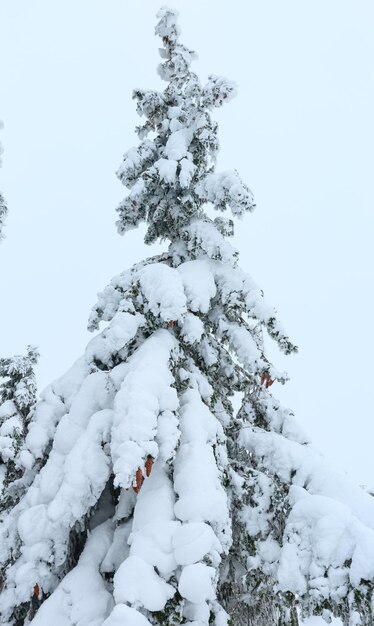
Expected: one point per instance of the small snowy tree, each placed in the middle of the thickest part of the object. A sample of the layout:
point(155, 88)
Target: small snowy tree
point(156, 502)
point(17, 398)
point(3, 206)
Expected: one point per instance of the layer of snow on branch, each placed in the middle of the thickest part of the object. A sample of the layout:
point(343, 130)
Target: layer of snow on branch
point(177, 144)
point(146, 393)
point(226, 189)
point(331, 523)
point(81, 597)
point(154, 523)
point(136, 582)
point(163, 289)
point(203, 236)
point(199, 284)
point(123, 615)
point(196, 477)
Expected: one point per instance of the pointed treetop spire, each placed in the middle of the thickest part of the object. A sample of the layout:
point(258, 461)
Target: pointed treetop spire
point(177, 57)
point(167, 27)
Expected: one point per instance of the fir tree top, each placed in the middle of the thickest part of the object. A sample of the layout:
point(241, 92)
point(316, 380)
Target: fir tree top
point(19, 383)
point(17, 398)
point(171, 174)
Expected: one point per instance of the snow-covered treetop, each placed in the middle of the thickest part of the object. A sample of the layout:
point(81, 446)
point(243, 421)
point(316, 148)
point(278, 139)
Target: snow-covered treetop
point(17, 398)
point(172, 182)
point(17, 379)
point(3, 206)
point(171, 175)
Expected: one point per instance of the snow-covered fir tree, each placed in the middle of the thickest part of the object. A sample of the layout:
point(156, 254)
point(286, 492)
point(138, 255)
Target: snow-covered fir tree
point(156, 503)
point(17, 398)
point(3, 206)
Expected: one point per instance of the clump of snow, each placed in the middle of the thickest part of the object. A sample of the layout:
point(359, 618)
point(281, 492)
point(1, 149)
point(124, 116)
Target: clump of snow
point(202, 236)
point(218, 90)
point(111, 340)
point(187, 170)
point(192, 329)
point(226, 189)
point(178, 143)
point(167, 170)
point(163, 289)
point(193, 541)
point(119, 548)
point(137, 583)
point(196, 583)
point(199, 285)
point(135, 161)
point(123, 615)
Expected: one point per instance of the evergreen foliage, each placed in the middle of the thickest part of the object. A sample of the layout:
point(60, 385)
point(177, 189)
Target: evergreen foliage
point(17, 398)
point(154, 501)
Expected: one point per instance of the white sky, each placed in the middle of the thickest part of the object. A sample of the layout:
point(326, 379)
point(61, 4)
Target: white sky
point(301, 134)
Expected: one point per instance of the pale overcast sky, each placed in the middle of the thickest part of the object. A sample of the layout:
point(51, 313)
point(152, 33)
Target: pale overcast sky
point(300, 132)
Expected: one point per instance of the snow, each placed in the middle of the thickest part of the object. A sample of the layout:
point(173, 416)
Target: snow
point(324, 532)
point(318, 621)
point(285, 457)
point(85, 471)
point(168, 434)
point(25, 459)
point(136, 582)
point(7, 410)
point(136, 160)
point(198, 424)
point(118, 550)
point(55, 402)
point(81, 598)
point(196, 476)
point(328, 541)
point(192, 329)
point(168, 23)
point(123, 615)
point(187, 170)
point(70, 482)
point(154, 524)
point(242, 343)
point(226, 188)
point(202, 235)
point(163, 290)
point(34, 525)
point(111, 340)
point(146, 392)
point(177, 144)
point(196, 583)
point(193, 541)
point(218, 90)
point(6, 449)
point(119, 294)
point(290, 576)
point(199, 285)
point(167, 170)
point(153, 545)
